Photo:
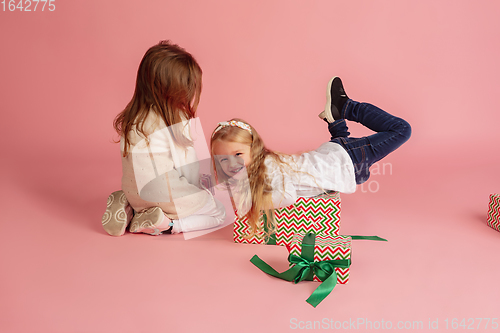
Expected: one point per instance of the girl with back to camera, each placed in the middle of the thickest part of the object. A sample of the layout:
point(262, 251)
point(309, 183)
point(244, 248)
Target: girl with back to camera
point(161, 182)
point(262, 180)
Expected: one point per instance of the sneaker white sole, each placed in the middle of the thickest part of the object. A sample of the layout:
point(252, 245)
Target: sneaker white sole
point(328, 106)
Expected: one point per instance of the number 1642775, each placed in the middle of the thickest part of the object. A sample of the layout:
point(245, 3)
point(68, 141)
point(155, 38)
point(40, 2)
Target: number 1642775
point(28, 5)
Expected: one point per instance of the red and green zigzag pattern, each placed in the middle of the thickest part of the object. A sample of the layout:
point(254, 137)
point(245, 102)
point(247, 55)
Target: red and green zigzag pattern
point(241, 229)
point(327, 248)
point(494, 212)
point(320, 215)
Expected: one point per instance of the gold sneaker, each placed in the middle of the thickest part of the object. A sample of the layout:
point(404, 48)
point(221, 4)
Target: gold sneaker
point(151, 221)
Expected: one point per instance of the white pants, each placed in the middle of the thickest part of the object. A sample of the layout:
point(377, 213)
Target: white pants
point(209, 216)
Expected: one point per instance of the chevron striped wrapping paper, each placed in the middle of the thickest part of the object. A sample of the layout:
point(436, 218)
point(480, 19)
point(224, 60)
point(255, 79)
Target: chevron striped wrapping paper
point(494, 212)
point(320, 214)
point(327, 248)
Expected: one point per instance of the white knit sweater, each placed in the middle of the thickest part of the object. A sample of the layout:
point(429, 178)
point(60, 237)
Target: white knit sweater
point(150, 171)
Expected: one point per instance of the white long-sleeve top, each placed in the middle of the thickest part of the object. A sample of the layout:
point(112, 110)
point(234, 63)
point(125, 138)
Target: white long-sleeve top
point(328, 168)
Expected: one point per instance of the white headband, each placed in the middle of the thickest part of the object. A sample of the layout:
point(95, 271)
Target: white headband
point(232, 123)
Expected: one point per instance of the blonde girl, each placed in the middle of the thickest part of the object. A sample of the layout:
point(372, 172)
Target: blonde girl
point(262, 180)
point(161, 182)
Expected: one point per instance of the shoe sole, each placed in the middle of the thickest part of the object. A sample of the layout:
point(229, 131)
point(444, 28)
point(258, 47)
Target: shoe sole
point(117, 214)
point(327, 114)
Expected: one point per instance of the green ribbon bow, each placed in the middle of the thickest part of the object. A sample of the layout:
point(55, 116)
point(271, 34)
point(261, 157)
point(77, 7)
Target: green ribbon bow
point(305, 267)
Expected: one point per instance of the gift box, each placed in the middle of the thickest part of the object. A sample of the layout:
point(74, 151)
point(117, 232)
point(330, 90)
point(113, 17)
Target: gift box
point(311, 258)
point(494, 212)
point(322, 258)
point(320, 214)
point(326, 248)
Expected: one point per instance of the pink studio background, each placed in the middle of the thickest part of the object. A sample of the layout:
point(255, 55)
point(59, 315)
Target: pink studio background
point(66, 74)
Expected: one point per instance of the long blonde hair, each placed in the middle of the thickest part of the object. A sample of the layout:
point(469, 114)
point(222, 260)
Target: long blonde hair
point(259, 182)
point(168, 84)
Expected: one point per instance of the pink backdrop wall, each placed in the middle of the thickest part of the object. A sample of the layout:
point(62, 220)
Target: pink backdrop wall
point(64, 75)
point(434, 63)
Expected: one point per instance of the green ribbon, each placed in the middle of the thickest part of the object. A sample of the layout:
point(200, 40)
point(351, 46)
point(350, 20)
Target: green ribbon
point(304, 269)
point(375, 238)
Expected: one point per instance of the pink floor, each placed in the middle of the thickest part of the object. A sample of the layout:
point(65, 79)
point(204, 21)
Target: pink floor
point(65, 77)
point(62, 273)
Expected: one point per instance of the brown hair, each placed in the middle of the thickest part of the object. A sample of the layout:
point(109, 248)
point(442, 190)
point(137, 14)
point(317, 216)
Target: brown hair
point(260, 188)
point(169, 84)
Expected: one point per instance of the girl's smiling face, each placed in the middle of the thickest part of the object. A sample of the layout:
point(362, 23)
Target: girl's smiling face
point(233, 157)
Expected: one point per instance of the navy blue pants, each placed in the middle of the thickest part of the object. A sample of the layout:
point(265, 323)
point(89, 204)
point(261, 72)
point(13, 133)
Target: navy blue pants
point(392, 132)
